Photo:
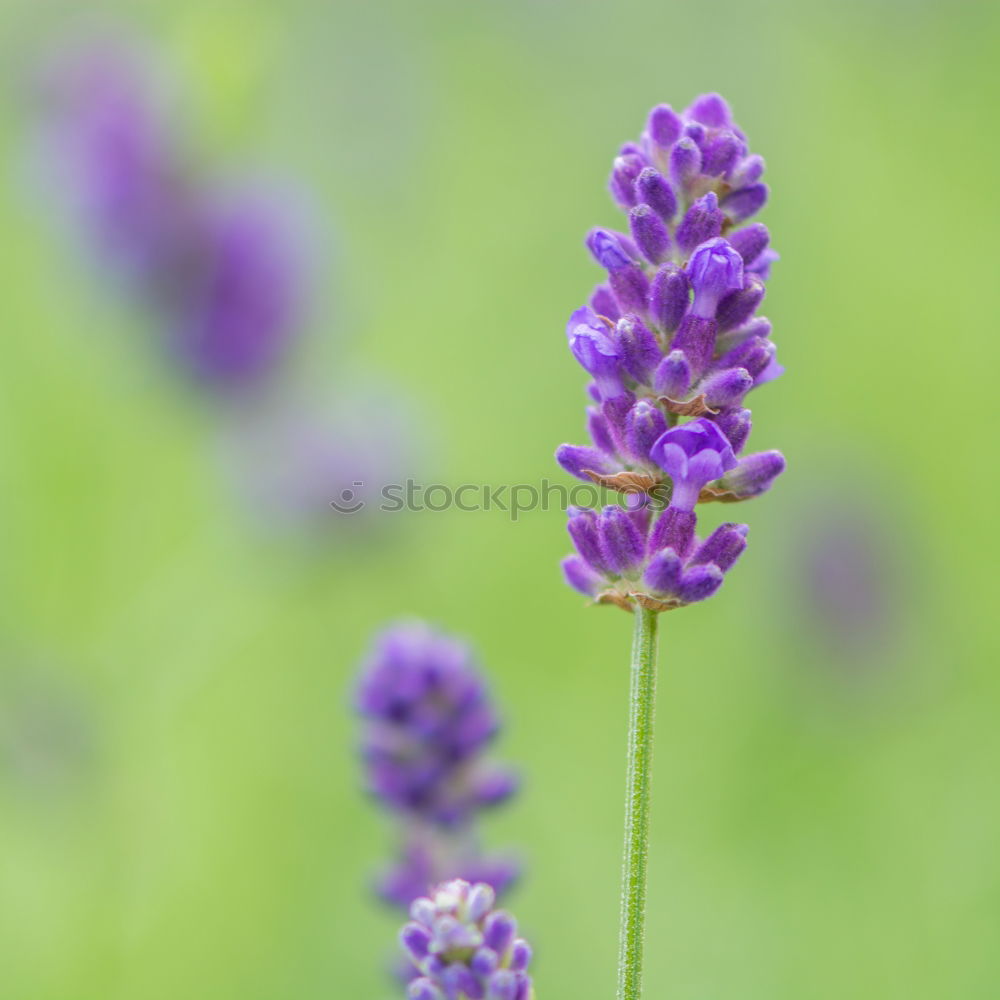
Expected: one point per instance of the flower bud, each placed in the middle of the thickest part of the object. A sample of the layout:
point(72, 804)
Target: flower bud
point(711, 110)
point(575, 458)
point(607, 250)
point(583, 529)
point(747, 171)
point(663, 573)
point(500, 929)
point(603, 302)
point(674, 529)
point(637, 347)
point(700, 582)
point(695, 339)
point(685, 162)
point(754, 474)
point(653, 189)
point(736, 426)
point(723, 547)
point(622, 181)
point(721, 153)
point(600, 433)
point(702, 222)
point(631, 288)
point(747, 201)
point(762, 265)
point(669, 297)
point(664, 126)
point(643, 426)
point(750, 241)
point(415, 939)
point(520, 955)
point(616, 413)
point(696, 132)
point(650, 233)
point(738, 306)
point(622, 545)
point(726, 387)
point(673, 376)
point(581, 577)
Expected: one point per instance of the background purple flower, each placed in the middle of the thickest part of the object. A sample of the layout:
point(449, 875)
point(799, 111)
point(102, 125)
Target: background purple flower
point(428, 720)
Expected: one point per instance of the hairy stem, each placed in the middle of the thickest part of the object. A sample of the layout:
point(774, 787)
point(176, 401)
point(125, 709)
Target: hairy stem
point(642, 700)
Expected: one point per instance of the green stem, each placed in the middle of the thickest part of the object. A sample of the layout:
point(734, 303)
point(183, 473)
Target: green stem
point(642, 698)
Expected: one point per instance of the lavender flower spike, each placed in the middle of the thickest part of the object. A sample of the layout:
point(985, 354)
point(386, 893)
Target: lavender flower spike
point(429, 720)
point(464, 948)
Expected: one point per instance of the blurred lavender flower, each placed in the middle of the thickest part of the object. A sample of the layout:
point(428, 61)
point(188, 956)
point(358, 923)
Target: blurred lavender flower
point(464, 948)
point(111, 148)
point(672, 334)
point(222, 274)
point(234, 300)
point(429, 719)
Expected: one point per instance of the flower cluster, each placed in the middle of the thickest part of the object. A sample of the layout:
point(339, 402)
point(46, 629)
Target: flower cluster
point(429, 719)
point(220, 269)
point(672, 335)
point(464, 948)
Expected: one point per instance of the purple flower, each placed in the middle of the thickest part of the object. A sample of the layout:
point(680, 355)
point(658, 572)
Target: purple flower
point(692, 455)
point(464, 948)
point(686, 343)
point(238, 307)
point(754, 474)
point(111, 142)
point(593, 345)
point(429, 719)
point(714, 269)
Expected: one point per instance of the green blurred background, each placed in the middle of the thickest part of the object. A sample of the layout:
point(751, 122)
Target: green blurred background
point(179, 803)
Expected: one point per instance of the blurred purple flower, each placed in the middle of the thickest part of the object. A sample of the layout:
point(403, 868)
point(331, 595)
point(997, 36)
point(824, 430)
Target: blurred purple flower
point(223, 275)
point(239, 306)
point(429, 718)
point(848, 577)
point(428, 721)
